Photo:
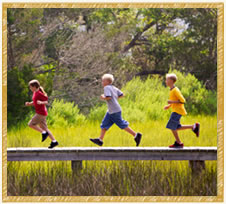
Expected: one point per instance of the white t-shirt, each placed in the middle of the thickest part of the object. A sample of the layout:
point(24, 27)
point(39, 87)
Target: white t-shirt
point(114, 93)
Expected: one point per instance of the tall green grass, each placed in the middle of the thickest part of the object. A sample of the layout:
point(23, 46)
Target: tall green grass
point(154, 134)
point(113, 178)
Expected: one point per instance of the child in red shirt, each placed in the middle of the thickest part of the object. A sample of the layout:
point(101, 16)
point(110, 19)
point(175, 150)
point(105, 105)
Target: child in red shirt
point(40, 99)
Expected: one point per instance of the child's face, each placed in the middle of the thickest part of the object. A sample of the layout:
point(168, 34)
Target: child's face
point(169, 82)
point(105, 82)
point(32, 88)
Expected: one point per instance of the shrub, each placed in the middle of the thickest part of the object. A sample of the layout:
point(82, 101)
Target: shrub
point(144, 100)
point(199, 100)
point(62, 114)
point(17, 94)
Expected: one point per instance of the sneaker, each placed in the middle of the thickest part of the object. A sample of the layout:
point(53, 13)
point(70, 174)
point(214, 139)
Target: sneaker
point(138, 138)
point(176, 145)
point(53, 144)
point(97, 141)
point(196, 129)
point(44, 136)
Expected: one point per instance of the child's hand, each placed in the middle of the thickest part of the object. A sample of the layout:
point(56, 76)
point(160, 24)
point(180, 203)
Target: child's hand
point(166, 107)
point(102, 97)
point(39, 102)
point(27, 104)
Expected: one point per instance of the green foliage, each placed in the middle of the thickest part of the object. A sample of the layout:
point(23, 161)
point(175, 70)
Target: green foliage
point(46, 77)
point(26, 23)
point(199, 42)
point(97, 113)
point(17, 94)
point(199, 100)
point(54, 41)
point(144, 100)
point(63, 114)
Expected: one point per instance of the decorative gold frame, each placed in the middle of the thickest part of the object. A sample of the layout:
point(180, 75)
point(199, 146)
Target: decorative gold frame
point(220, 112)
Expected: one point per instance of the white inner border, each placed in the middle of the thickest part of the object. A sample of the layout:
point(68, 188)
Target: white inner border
point(90, 1)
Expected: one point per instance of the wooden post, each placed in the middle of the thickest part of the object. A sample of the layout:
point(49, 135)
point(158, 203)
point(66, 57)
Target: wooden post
point(197, 166)
point(76, 166)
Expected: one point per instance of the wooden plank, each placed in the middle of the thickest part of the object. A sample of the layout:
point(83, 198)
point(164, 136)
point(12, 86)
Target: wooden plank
point(76, 166)
point(111, 153)
point(197, 166)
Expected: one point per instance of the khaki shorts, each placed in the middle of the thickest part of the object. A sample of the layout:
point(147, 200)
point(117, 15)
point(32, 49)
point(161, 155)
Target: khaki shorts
point(39, 120)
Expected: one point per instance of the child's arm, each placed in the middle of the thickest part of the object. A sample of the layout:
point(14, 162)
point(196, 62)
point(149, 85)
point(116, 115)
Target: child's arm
point(29, 103)
point(167, 107)
point(179, 96)
point(170, 102)
point(107, 94)
point(42, 99)
point(121, 96)
point(103, 97)
point(42, 102)
point(120, 93)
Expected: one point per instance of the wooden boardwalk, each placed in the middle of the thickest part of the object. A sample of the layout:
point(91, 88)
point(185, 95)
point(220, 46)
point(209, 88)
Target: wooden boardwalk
point(195, 155)
point(111, 153)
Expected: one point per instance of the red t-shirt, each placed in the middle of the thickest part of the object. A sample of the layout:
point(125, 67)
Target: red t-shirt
point(39, 96)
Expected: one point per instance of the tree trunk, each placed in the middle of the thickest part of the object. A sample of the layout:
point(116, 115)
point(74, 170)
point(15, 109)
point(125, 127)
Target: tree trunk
point(10, 58)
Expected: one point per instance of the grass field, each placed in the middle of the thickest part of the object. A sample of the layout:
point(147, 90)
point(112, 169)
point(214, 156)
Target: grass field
point(113, 177)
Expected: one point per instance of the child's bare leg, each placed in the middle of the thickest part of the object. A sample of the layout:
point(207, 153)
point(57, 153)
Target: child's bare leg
point(129, 130)
point(185, 127)
point(102, 133)
point(50, 135)
point(35, 127)
point(47, 130)
point(175, 133)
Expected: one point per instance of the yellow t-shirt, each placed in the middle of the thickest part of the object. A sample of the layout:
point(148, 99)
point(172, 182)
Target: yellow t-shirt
point(176, 95)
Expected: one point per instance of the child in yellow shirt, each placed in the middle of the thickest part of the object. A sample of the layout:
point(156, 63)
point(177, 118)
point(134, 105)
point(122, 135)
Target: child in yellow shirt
point(176, 102)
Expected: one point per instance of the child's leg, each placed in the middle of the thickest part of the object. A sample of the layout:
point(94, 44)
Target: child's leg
point(102, 133)
point(50, 135)
point(47, 130)
point(185, 127)
point(33, 123)
point(195, 128)
point(105, 125)
point(130, 131)
point(43, 125)
point(35, 127)
point(123, 124)
point(137, 136)
point(175, 133)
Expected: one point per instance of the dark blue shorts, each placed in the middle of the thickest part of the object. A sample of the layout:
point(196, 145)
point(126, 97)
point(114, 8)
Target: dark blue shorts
point(110, 119)
point(174, 121)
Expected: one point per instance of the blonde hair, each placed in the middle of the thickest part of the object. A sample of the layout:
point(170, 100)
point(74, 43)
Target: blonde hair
point(35, 83)
point(108, 77)
point(172, 77)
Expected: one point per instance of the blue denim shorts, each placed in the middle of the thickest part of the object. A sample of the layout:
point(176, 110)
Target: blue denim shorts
point(174, 121)
point(110, 119)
